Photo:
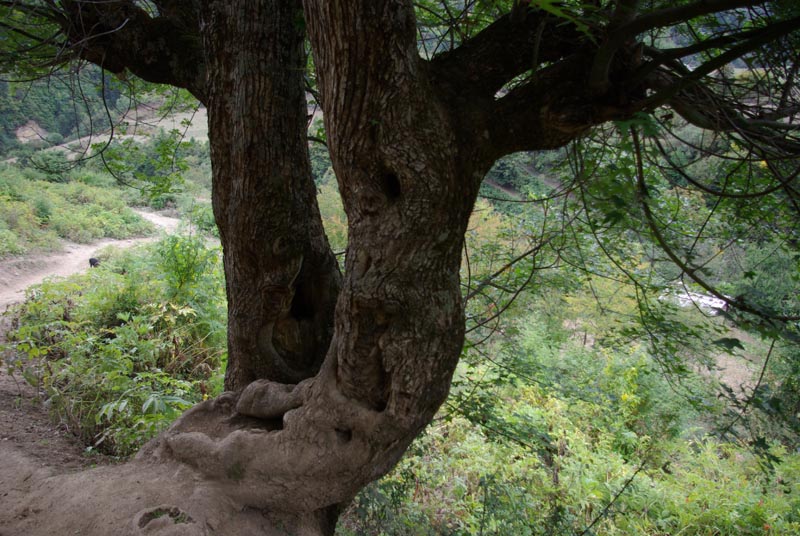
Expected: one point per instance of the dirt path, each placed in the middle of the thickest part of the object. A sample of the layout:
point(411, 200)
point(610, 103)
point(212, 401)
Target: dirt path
point(18, 274)
point(29, 441)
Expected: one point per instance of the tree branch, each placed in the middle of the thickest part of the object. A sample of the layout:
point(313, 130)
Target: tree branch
point(598, 76)
point(505, 49)
point(550, 110)
point(744, 43)
point(632, 26)
point(122, 35)
point(699, 105)
point(674, 15)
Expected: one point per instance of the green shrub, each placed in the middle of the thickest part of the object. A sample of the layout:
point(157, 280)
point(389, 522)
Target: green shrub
point(183, 261)
point(201, 215)
point(43, 209)
point(457, 479)
point(548, 433)
point(9, 243)
point(91, 178)
point(19, 217)
point(38, 212)
point(120, 354)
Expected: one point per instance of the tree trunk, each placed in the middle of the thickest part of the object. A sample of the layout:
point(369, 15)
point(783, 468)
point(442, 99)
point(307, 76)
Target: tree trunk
point(408, 185)
point(282, 278)
point(330, 380)
point(283, 439)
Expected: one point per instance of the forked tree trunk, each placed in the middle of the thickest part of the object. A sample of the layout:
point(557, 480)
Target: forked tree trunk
point(274, 456)
point(408, 185)
point(282, 278)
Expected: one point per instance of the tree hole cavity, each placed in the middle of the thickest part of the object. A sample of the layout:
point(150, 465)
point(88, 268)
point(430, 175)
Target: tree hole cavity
point(245, 422)
point(303, 302)
point(390, 184)
point(344, 436)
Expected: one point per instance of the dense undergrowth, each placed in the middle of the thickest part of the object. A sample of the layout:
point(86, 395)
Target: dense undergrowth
point(37, 209)
point(556, 426)
point(121, 350)
point(591, 442)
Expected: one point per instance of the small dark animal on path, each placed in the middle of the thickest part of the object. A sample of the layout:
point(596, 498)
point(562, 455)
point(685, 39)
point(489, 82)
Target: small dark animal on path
point(94, 263)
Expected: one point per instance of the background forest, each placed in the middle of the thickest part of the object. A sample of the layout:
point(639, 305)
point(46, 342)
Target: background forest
point(599, 388)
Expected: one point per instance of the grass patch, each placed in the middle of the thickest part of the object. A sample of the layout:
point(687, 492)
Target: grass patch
point(35, 213)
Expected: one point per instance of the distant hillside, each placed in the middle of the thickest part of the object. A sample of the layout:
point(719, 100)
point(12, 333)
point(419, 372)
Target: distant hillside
point(47, 107)
point(46, 113)
point(138, 125)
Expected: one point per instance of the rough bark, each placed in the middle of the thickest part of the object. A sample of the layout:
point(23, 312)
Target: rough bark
point(407, 194)
point(281, 276)
point(408, 187)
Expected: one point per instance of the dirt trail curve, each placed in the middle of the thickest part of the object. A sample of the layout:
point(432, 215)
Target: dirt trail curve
point(18, 274)
point(30, 443)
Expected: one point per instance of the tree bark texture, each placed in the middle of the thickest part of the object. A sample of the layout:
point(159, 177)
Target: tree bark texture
point(281, 276)
point(408, 187)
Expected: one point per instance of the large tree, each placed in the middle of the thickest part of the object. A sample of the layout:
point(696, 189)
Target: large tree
point(330, 377)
